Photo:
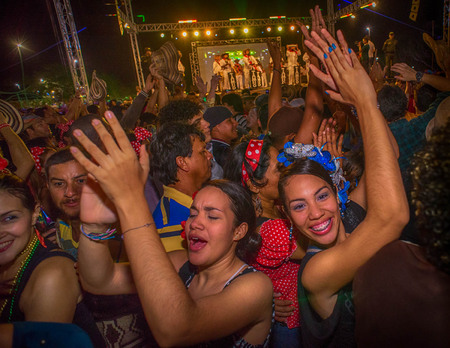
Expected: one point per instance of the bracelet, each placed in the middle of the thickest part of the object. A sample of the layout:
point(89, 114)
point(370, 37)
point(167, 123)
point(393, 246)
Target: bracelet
point(4, 125)
point(145, 94)
point(136, 228)
point(109, 234)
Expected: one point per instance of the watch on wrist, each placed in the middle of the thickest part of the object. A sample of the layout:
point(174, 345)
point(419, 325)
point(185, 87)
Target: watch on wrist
point(419, 76)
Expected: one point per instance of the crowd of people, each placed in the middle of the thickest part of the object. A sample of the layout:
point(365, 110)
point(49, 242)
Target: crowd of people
point(313, 218)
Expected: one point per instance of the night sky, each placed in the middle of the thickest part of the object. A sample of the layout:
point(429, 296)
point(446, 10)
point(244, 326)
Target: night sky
point(105, 50)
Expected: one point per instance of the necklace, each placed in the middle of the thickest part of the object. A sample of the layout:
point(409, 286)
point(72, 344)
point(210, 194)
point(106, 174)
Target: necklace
point(30, 250)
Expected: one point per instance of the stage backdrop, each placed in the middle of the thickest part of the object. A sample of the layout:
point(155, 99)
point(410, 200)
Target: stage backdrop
point(203, 52)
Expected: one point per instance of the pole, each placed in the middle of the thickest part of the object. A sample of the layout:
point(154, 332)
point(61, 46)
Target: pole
point(23, 70)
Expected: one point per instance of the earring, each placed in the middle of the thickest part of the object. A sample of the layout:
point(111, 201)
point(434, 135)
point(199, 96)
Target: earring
point(290, 233)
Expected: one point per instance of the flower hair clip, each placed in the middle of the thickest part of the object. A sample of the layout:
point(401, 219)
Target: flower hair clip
point(293, 151)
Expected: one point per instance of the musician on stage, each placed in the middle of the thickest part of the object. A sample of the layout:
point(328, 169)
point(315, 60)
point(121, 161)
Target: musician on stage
point(292, 54)
point(249, 64)
point(217, 69)
point(227, 67)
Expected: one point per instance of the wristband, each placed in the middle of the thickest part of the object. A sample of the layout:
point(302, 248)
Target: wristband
point(419, 76)
point(108, 234)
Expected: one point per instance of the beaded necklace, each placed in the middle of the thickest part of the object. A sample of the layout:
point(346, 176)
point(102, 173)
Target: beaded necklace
point(30, 249)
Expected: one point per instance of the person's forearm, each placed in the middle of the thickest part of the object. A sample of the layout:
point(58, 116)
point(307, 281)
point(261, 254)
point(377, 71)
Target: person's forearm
point(313, 108)
point(439, 82)
point(152, 270)
point(381, 168)
point(163, 97)
point(132, 114)
point(20, 154)
point(151, 103)
point(275, 92)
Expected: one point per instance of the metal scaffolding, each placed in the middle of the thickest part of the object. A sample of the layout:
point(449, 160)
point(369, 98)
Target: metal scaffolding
point(126, 20)
point(71, 44)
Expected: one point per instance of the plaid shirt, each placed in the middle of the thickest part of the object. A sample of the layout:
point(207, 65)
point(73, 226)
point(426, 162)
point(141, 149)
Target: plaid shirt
point(410, 135)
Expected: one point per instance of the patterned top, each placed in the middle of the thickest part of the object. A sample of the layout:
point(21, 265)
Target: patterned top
point(273, 260)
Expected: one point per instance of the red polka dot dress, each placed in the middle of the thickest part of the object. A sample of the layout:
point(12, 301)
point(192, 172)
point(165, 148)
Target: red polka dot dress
point(274, 260)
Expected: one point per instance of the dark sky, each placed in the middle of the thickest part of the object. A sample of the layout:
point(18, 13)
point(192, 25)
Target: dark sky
point(105, 50)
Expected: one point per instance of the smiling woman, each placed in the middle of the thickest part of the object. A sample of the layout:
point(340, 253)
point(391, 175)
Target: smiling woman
point(30, 269)
point(210, 296)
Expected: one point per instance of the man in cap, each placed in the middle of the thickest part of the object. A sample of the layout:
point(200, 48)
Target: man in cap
point(223, 131)
point(389, 48)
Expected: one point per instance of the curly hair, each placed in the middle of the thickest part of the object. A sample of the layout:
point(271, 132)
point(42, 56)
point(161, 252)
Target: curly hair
point(242, 206)
point(182, 110)
point(171, 141)
point(430, 196)
point(393, 102)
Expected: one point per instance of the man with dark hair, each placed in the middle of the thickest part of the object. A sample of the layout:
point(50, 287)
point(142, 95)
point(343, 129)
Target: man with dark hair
point(410, 135)
point(223, 131)
point(182, 164)
point(234, 103)
point(65, 179)
point(393, 102)
point(187, 112)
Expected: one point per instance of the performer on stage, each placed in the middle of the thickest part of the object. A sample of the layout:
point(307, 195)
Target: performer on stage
point(217, 70)
point(238, 70)
point(227, 67)
point(249, 64)
point(292, 54)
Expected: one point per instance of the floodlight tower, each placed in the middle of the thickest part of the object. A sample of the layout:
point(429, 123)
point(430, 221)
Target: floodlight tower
point(71, 44)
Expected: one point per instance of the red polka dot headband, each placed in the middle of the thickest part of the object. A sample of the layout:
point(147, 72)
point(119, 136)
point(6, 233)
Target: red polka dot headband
point(252, 156)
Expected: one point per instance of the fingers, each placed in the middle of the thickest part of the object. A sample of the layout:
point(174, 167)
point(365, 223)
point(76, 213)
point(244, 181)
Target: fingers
point(344, 46)
point(335, 50)
point(144, 160)
point(336, 96)
point(88, 165)
point(320, 17)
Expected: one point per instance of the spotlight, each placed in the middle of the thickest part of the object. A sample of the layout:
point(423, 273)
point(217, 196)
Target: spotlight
point(231, 31)
point(208, 32)
point(216, 35)
point(353, 16)
point(196, 33)
point(280, 28)
point(307, 27)
point(162, 34)
point(184, 34)
point(269, 29)
point(246, 30)
point(292, 27)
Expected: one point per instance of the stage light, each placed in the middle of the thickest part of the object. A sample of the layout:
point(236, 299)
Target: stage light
point(184, 34)
point(353, 16)
point(292, 27)
point(280, 28)
point(277, 17)
point(162, 35)
point(196, 33)
point(237, 19)
point(187, 21)
point(231, 31)
point(371, 4)
point(307, 27)
point(216, 35)
point(246, 30)
point(208, 32)
point(269, 29)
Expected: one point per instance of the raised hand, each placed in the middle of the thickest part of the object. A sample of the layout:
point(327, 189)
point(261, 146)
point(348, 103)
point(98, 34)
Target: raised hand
point(406, 72)
point(352, 81)
point(275, 52)
point(119, 172)
point(317, 24)
point(201, 85)
point(96, 207)
point(149, 83)
point(283, 308)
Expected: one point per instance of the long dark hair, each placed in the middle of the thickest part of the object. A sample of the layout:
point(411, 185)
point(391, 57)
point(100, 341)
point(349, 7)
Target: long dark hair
point(299, 167)
point(242, 206)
